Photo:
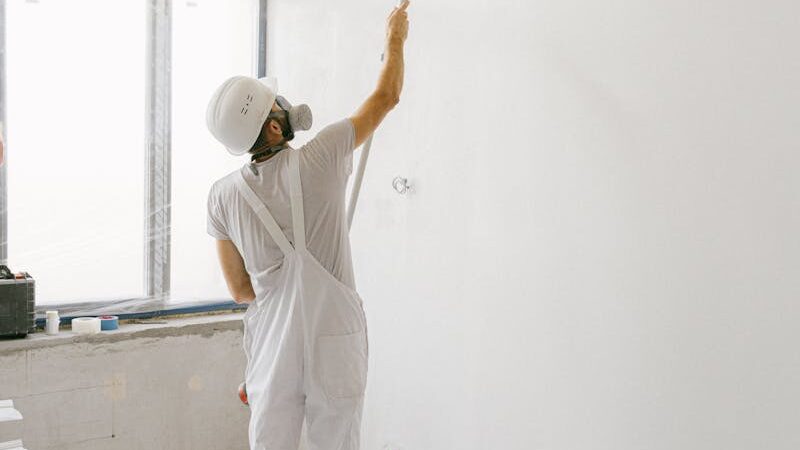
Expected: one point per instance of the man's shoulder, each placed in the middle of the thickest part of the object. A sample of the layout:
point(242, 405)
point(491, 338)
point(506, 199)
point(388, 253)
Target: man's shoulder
point(331, 134)
point(225, 185)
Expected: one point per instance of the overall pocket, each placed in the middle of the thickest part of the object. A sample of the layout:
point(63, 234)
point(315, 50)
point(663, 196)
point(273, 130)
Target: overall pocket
point(342, 364)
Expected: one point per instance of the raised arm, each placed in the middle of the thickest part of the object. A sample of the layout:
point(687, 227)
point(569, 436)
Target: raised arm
point(390, 83)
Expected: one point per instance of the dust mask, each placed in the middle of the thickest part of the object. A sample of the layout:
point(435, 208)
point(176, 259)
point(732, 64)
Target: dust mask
point(292, 118)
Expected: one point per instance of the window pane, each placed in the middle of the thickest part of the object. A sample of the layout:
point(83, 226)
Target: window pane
point(212, 40)
point(75, 126)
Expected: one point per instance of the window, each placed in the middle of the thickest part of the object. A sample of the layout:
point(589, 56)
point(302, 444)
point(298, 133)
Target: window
point(105, 125)
point(201, 61)
point(75, 136)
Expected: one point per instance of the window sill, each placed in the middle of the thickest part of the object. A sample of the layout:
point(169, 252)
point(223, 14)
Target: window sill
point(204, 325)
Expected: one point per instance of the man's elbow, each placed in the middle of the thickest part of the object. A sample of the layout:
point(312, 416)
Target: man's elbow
point(389, 99)
point(393, 101)
point(244, 297)
point(243, 293)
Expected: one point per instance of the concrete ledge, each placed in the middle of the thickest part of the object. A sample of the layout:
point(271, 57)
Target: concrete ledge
point(170, 386)
point(204, 325)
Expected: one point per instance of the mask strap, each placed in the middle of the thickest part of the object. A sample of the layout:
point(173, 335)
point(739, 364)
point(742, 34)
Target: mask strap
point(269, 151)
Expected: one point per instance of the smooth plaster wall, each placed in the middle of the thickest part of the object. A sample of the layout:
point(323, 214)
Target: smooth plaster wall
point(601, 248)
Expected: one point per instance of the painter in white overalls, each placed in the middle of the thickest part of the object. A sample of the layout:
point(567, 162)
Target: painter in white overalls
point(282, 238)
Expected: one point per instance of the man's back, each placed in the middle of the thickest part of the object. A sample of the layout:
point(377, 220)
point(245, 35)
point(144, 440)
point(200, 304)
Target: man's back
point(325, 164)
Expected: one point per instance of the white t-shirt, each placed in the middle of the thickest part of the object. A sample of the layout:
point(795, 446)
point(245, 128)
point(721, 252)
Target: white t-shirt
point(325, 164)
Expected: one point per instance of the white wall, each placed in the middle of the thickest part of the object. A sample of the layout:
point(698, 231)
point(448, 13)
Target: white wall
point(602, 251)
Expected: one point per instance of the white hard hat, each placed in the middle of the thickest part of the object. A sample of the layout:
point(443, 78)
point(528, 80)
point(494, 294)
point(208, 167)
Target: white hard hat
point(238, 109)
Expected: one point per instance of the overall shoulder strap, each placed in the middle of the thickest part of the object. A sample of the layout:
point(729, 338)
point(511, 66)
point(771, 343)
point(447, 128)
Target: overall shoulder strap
point(296, 190)
point(263, 214)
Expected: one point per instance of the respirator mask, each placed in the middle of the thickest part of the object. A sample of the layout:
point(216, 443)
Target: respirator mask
point(291, 118)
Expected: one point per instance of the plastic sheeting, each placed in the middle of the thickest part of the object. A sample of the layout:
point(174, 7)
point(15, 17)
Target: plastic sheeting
point(135, 308)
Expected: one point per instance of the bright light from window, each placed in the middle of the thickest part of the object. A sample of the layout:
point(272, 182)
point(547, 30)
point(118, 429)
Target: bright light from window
point(75, 150)
point(212, 40)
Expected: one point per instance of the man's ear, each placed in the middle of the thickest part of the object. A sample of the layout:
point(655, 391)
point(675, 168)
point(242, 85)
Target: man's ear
point(274, 127)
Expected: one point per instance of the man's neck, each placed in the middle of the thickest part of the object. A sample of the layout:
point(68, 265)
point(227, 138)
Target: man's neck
point(267, 157)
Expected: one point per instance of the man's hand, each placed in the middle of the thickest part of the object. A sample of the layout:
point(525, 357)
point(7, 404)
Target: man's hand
point(397, 23)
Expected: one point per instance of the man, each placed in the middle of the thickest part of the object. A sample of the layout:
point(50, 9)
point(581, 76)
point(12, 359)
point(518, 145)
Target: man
point(282, 239)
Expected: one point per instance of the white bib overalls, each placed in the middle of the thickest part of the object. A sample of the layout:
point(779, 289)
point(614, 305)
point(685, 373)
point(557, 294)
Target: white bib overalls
point(306, 345)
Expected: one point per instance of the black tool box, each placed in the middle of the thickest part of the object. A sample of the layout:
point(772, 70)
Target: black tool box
point(17, 302)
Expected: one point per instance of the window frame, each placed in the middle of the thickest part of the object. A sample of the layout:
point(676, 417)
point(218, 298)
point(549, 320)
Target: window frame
point(3, 185)
point(158, 150)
